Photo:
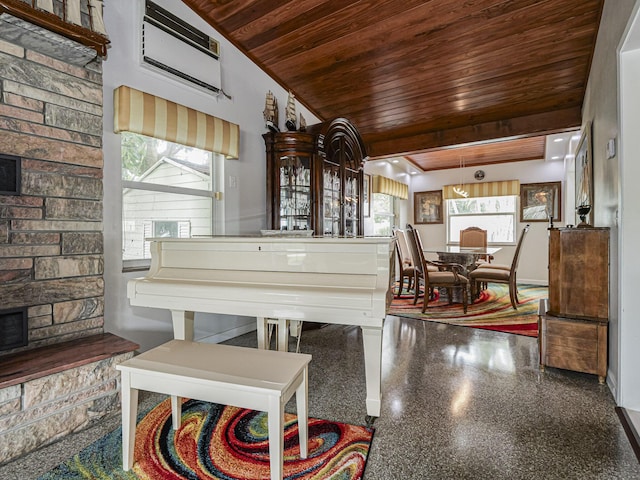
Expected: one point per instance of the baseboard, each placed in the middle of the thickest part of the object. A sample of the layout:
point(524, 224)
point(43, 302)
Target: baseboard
point(539, 283)
point(630, 430)
point(229, 334)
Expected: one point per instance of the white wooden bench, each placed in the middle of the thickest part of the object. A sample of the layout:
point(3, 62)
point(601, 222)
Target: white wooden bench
point(257, 379)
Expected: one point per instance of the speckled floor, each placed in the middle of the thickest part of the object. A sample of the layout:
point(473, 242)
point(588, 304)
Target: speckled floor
point(458, 403)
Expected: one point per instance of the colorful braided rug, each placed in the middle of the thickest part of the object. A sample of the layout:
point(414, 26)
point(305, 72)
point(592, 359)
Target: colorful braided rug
point(221, 442)
point(491, 311)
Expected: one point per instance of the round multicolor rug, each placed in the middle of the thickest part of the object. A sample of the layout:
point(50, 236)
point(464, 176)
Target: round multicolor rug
point(491, 311)
point(220, 442)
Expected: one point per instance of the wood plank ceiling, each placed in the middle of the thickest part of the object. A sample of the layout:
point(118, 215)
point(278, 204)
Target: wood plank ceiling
point(417, 76)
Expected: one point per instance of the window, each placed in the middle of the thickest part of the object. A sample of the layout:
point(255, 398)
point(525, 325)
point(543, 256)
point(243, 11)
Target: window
point(168, 191)
point(496, 215)
point(383, 211)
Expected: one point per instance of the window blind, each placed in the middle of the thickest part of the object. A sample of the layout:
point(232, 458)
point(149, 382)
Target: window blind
point(380, 184)
point(484, 189)
point(146, 114)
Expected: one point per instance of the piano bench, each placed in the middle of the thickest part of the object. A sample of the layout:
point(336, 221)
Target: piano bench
point(257, 379)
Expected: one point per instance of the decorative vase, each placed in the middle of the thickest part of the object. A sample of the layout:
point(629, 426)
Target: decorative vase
point(583, 211)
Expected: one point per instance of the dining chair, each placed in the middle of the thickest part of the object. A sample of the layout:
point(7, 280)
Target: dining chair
point(498, 273)
point(475, 237)
point(404, 260)
point(435, 273)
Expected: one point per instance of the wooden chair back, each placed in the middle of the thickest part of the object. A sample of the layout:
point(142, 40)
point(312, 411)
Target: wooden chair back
point(416, 250)
point(516, 255)
point(444, 276)
point(405, 254)
point(473, 237)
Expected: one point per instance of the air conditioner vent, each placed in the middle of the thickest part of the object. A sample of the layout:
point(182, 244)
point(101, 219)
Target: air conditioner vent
point(170, 45)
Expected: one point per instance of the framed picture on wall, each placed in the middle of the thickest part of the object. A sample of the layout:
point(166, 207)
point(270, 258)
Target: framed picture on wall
point(540, 201)
point(427, 207)
point(584, 171)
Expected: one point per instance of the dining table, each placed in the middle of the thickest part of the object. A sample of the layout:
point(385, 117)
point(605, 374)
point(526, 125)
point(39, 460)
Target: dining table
point(465, 256)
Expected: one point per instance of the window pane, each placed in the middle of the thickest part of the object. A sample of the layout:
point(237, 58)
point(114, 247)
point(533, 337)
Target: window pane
point(382, 209)
point(496, 215)
point(167, 192)
point(149, 214)
point(505, 204)
point(150, 160)
point(500, 228)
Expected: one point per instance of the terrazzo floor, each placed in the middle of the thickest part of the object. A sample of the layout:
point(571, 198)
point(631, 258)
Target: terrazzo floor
point(458, 403)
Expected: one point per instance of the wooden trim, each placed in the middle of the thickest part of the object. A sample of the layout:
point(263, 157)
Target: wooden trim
point(52, 22)
point(39, 362)
point(421, 138)
point(629, 429)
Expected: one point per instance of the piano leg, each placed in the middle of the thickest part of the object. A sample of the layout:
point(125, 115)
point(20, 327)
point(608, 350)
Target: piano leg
point(372, 341)
point(263, 334)
point(283, 335)
point(182, 324)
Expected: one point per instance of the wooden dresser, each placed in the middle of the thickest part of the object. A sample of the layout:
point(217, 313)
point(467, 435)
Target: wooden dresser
point(573, 331)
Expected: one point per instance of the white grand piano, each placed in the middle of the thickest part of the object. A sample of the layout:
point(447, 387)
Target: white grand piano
point(331, 280)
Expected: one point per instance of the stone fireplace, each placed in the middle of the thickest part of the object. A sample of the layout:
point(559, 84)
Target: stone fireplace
point(14, 328)
point(51, 242)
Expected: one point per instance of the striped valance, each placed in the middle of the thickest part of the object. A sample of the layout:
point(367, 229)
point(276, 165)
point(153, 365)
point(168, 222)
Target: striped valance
point(146, 114)
point(485, 189)
point(382, 184)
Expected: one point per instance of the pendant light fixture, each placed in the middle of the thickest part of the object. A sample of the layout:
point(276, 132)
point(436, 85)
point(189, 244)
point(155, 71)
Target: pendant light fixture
point(459, 189)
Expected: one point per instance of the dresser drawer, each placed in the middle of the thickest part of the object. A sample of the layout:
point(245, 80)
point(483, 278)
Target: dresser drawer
point(572, 344)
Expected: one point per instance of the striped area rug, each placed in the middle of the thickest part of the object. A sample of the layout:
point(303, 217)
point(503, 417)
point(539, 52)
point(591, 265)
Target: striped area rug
point(491, 311)
point(221, 442)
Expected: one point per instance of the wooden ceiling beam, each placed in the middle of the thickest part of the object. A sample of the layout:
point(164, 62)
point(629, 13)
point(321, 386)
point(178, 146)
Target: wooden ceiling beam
point(526, 126)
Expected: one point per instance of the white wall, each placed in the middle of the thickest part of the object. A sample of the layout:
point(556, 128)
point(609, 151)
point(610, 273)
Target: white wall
point(534, 256)
point(628, 353)
point(245, 204)
point(601, 107)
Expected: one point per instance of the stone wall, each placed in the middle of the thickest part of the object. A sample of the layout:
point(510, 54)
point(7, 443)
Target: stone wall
point(37, 412)
point(51, 244)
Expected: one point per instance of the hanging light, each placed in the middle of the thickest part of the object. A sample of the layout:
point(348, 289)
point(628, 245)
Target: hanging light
point(459, 189)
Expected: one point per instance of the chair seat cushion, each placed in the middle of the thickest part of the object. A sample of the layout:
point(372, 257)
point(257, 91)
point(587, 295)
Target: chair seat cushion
point(490, 274)
point(446, 278)
point(497, 266)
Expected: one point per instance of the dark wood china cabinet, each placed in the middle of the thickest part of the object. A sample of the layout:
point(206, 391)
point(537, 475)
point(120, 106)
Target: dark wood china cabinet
point(315, 179)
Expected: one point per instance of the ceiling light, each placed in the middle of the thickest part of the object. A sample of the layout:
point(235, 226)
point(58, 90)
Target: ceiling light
point(556, 157)
point(395, 160)
point(559, 139)
point(458, 189)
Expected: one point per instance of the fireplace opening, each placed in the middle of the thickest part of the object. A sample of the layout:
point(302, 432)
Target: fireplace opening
point(13, 328)
point(9, 175)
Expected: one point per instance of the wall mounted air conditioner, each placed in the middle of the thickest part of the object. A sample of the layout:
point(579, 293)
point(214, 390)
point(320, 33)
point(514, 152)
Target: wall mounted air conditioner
point(172, 46)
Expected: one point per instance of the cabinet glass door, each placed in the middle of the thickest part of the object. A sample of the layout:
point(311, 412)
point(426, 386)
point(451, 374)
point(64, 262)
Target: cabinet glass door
point(331, 199)
point(295, 193)
point(351, 204)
